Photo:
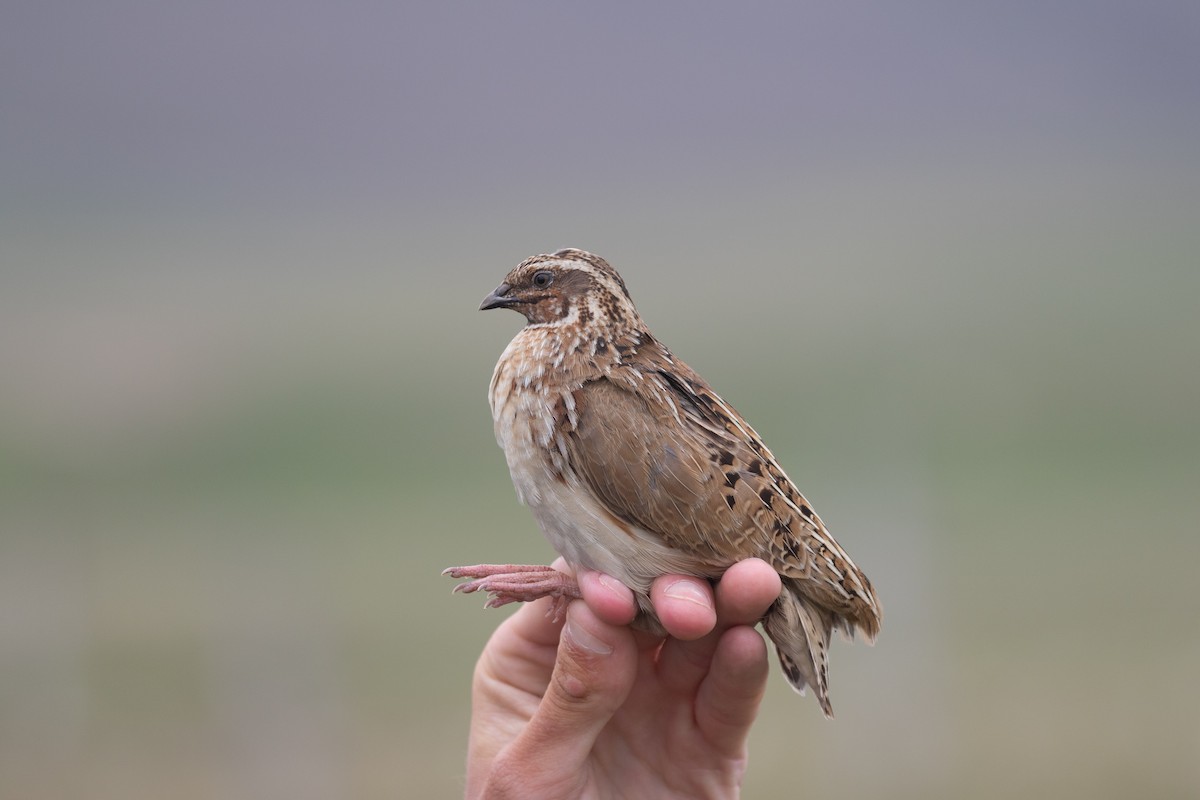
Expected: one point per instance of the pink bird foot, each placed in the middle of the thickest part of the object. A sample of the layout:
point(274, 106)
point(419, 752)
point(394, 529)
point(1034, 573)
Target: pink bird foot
point(516, 583)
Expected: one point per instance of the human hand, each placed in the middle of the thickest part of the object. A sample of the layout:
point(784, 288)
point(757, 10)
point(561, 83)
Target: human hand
point(587, 707)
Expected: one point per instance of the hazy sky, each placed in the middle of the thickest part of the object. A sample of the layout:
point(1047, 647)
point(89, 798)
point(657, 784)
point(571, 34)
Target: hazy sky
point(155, 107)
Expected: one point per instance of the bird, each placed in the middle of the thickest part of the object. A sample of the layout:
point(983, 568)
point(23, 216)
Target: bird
point(633, 466)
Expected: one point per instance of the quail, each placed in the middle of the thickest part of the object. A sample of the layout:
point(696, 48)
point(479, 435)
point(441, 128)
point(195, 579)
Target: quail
point(633, 466)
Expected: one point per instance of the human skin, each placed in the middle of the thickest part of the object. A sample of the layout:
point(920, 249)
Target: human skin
point(585, 706)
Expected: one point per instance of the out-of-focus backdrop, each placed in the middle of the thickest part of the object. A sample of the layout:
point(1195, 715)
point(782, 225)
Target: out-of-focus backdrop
point(945, 256)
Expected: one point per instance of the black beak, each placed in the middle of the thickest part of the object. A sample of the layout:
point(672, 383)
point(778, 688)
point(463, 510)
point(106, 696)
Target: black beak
point(498, 299)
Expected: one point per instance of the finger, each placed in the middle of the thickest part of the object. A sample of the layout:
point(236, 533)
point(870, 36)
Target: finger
point(746, 591)
point(685, 605)
point(743, 596)
point(609, 599)
point(510, 678)
point(593, 675)
point(729, 697)
point(523, 648)
point(520, 653)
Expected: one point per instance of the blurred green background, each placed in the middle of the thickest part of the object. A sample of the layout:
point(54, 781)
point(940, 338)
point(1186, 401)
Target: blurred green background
point(945, 259)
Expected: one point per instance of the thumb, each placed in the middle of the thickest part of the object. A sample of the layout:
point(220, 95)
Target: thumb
point(594, 671)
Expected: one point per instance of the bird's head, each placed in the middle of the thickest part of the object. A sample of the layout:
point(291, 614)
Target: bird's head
point(570, 287)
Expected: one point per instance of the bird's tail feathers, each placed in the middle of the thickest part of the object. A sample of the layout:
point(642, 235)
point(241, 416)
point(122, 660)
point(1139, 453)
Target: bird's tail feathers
point(801, 631)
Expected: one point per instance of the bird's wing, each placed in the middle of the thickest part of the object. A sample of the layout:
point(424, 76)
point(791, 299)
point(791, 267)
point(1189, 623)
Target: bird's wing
point(651, 471)
point(661, 450)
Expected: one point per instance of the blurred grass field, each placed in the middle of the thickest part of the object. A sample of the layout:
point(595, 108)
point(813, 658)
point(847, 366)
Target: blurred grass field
point(234, 461)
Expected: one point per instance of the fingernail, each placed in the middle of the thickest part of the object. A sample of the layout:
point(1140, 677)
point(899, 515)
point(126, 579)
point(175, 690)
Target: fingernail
point(612, 584)
point(689, 591)
point(584, 639)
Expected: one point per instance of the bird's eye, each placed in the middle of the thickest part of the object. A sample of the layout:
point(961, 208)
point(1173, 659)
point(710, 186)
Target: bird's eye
point(543, 279)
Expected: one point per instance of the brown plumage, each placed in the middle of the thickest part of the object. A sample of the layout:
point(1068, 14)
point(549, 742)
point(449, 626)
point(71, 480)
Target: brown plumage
point(634, 466)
